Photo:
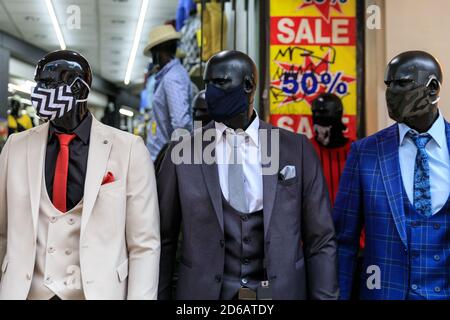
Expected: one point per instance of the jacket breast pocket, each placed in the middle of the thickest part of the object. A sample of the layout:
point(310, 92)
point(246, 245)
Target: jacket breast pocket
point(122, 271)
point(288, 182)
point(111, 186)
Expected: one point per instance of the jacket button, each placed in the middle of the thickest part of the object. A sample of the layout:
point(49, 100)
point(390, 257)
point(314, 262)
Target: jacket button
point(218, 278)
point(414, 287)
point(436, 226)
point(437, 289)
point(222, 243)
point(244, 280)
point(247, 240)
point(437, 258)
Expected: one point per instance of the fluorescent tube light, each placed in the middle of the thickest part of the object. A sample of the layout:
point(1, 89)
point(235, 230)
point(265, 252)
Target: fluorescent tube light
point(137, 38)
point(51, 12)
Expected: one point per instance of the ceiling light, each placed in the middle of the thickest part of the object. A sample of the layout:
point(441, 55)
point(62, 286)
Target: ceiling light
point(51, 12)
point(126, 112)
point(137, 38)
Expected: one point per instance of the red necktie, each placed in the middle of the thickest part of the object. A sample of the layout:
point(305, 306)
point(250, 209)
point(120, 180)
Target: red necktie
point(62, 168)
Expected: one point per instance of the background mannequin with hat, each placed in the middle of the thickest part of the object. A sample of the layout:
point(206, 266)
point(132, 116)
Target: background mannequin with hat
point(174, 90)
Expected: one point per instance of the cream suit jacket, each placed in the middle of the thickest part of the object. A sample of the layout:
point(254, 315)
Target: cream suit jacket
point(120, 238)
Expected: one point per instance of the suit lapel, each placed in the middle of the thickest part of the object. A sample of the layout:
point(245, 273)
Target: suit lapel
point(37, 144)
point(388, 146)
point(269, 181)
point(99, 149)
point(211, 178)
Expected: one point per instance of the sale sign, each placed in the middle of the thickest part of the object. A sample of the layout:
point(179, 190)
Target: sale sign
point(312, 51)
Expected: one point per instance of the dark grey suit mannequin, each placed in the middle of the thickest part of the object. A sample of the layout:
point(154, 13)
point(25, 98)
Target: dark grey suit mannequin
point(298, 234)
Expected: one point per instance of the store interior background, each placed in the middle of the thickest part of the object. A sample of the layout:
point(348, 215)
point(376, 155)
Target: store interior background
point(108, 30)
point(106, 39)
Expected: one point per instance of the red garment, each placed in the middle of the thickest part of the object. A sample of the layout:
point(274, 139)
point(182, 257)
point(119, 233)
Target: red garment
point(61, 171)
point(333, 163)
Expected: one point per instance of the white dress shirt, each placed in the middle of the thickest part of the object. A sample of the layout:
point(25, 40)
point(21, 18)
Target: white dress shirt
point(251, 160)
point(438, 159)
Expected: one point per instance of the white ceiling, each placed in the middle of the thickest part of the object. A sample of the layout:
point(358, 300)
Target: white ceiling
point(106, 34)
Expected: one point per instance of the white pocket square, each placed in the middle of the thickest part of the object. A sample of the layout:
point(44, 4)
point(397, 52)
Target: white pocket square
point(287, 173)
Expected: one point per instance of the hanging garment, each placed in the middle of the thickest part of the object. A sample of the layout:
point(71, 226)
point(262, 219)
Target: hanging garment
point(183, 11)
point(189, 42)
point(212, 26)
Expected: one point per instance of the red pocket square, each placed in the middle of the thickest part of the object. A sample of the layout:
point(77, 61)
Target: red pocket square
point(108, 178)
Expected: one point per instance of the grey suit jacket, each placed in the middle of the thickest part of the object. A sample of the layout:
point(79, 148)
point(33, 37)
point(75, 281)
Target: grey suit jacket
point(299, 245)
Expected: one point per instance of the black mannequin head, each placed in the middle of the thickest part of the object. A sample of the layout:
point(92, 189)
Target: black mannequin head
point(200, 108)
point(164, 53)
point(65, 67)
point(15, 108)
point(327, 111)
point(232, 76)
point(413, 81)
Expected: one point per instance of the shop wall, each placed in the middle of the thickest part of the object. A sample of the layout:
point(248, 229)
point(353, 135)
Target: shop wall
point(407, 25)
point(242, 33)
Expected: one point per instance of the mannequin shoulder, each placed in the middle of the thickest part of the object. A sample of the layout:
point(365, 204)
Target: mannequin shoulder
point(120, 137)
point(285, 136)
point(23, 136)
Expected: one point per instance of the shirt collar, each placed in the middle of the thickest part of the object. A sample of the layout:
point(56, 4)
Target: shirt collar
point(166, 69)
point(437, 131)
point(251, 131)
point(83, 131)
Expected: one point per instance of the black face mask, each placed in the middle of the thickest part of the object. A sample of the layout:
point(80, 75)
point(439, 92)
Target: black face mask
point(328, 130)
point(225, 104)
point(403, 107)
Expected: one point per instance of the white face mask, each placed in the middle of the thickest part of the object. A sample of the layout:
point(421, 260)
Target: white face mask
point(323, 134)
point(54, 103)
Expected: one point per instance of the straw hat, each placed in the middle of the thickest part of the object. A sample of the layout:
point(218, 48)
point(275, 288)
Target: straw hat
point(159, 35)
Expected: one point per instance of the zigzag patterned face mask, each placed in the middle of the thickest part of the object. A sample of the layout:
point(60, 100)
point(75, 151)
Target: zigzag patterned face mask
point(54, 103)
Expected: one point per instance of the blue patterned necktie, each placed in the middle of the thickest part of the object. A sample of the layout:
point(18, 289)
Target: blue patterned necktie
point(422, 190)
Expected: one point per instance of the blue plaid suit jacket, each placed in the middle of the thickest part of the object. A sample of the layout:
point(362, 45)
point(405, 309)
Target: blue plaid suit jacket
point(370, 194)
